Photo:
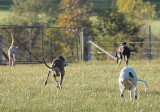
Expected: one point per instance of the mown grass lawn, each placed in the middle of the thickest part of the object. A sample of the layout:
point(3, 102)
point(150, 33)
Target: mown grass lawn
point(87, 87)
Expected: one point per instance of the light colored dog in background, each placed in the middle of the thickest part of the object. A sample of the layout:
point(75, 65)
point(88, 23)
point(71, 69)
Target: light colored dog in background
point(12, 52)
point(57, 67)
point(128, 80)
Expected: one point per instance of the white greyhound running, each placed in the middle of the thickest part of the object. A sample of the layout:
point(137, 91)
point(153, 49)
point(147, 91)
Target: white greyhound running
point(128, 80)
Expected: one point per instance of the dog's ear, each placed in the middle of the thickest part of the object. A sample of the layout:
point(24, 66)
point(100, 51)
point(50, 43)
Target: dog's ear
point(123, 43)
point(61, 58)
point(131, 75)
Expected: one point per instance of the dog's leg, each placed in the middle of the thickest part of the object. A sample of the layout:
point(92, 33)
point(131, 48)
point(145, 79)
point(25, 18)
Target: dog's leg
point(10, 59)
point(117, 57)
point(61, 80)
point(14, 60)
point(15, 57)
point(135, 91)
point(120, 59)
point(131, 94)
point(127, 62)
point(47, 78)
point(122, 89)
point(126, 59)
point(117, 60)
point(54, 76)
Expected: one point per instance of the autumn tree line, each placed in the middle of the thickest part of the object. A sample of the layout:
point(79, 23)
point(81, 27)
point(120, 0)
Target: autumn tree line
point(121, 21)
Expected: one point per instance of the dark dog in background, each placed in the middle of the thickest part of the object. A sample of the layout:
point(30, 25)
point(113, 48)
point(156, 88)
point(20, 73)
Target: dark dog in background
point(122, 51)
point(57, 67)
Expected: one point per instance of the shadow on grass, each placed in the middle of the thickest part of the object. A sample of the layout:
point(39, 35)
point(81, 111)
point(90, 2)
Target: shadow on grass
point(151, 92)
point(154, 92)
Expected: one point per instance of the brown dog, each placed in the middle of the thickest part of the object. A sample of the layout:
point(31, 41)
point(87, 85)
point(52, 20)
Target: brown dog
point(57, 67)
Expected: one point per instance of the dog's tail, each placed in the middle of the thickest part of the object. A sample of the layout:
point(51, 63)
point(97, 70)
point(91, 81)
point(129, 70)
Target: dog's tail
point(144, 82)
point(46, 63)
point(116, 55)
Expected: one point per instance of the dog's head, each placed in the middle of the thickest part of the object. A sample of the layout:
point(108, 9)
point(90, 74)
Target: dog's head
point(61, 57)
point(124, 43)
point(130, 76)
point(65, 63)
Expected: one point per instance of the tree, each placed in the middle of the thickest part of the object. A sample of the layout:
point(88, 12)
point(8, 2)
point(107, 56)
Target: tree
point(33, 12)
point(137, 10)
point(122, 22)
point(75, 14)
point(125, 20)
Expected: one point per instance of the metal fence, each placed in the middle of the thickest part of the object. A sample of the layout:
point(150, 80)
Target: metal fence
point(142, 50)
point(50, 42)
point(36, 41)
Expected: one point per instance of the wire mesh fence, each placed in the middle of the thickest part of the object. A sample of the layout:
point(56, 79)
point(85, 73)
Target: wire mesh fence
point(50, 42)
point(139, 50)
point(35, 42)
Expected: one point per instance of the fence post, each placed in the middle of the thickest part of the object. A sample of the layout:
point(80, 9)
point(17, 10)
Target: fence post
point(41, 42)
point(89, 49)
point(30, 44)
point(77, 51)
point(51, 50)
point(82, 44)
point(150, 56)
point(1, 42)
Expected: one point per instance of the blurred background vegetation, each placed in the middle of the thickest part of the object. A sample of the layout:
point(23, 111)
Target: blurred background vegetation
point(108, 22)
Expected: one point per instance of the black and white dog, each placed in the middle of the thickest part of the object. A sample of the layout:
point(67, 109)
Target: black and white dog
point(122, 51)
point(128, 80)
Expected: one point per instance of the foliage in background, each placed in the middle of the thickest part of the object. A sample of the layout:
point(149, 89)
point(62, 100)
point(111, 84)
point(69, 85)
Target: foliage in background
point(122, 23)
point(75, 14)
point(137, 11)
point(124, 20)
point(33, 12)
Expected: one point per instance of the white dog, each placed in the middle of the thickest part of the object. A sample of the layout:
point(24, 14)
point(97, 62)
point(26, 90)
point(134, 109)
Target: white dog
point(12, 52)
point(128, 80)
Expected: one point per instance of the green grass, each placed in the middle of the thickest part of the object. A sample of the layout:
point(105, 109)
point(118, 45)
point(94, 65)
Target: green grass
point(155, 27)
point(87, 87)
point(3, 14)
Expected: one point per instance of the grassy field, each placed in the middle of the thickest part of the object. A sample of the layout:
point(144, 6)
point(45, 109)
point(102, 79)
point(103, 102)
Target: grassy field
point(3, 14)
point(4, 9)
point(155, 27)
point(87, 87)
